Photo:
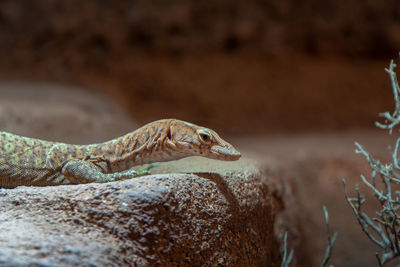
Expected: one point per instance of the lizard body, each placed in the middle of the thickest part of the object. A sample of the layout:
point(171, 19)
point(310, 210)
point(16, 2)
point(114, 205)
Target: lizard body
point(30, 161)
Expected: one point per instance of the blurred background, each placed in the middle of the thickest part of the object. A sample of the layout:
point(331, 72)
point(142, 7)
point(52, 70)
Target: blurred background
point(294, 83)
point(234, 65)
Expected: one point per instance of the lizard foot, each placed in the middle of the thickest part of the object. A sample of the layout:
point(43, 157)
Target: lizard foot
point(145, 170)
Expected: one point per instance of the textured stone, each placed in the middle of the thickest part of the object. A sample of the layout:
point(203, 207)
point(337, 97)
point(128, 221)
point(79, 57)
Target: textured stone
point(175, 219)
point(194, 211)
point(318, 162)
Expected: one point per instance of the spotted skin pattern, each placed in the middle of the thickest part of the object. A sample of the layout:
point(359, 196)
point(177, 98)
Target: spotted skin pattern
point(34, 162)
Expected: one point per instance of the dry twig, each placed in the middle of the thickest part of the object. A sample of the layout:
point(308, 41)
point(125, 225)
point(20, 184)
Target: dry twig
point(331, 239)
point(384, 228)
point(287, 258)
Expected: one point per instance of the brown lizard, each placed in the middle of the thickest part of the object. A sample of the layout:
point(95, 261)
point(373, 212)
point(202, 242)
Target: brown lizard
point(35, 162)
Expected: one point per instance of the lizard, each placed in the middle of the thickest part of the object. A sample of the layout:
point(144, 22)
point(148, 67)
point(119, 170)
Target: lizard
point(35, 162)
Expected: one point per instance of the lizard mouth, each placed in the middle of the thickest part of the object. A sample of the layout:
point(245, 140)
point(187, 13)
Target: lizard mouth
point(224, 153)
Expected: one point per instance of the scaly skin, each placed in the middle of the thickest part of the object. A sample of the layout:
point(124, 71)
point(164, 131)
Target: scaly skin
point(29, 161)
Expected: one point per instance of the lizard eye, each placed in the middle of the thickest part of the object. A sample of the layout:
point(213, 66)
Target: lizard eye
point(205, 137)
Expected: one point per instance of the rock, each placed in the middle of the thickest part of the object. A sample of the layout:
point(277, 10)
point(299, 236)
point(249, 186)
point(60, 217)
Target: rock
point(194, 211)
point(223, 214)
point(318, 161)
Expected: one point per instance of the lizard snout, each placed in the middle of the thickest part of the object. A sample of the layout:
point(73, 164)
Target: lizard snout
point(225, 153)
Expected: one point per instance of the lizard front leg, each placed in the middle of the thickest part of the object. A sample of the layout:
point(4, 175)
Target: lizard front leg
point(81, 171)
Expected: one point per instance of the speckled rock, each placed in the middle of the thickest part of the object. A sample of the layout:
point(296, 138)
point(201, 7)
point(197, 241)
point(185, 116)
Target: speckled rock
point(200, 217)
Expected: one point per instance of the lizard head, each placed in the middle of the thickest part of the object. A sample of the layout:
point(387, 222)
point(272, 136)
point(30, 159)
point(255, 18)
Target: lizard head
point(194, 140)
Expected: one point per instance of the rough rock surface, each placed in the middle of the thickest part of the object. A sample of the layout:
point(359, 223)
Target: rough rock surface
point(189, 212)
point(318, 162)
point(177, 219)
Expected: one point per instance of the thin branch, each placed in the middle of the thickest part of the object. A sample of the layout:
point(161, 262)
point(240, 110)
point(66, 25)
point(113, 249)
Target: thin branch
point(379, 259)
point(377, 193)
point(363, 219)
point(286, 259)
point(394, 119)
point(395, 153)
point(395, 86)
point(396, 237)
point(382, 230)
point(377, 166)
point(331, 239)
